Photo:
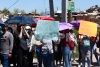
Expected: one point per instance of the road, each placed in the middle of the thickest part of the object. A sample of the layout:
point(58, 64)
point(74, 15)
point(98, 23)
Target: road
point(74, 64)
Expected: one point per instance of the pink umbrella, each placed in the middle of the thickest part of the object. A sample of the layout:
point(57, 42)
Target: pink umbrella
point(37, 19)
point(45, 18)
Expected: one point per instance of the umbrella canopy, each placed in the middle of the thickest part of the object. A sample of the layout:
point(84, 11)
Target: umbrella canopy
point(20, 19)
point(45, 18)
point(64, 25)
point(75, 24)
point(37, 19)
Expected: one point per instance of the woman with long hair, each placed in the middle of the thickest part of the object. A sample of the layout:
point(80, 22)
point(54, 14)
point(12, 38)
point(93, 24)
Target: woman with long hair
point(22, 46)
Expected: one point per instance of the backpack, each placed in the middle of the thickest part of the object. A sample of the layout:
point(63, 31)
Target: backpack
point(85, 41)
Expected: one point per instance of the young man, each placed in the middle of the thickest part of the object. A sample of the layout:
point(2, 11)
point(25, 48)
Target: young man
point(6, 46)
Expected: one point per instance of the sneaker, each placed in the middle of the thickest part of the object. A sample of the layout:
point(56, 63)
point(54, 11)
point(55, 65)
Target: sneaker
point(79, 65)
point(73, 61)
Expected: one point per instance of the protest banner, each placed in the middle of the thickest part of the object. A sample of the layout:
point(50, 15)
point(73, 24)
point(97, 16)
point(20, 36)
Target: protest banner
point(47, 29)
point(88, 28)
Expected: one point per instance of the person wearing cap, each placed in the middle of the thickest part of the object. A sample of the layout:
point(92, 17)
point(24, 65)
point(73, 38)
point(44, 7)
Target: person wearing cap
point(31, 46)
point(6, 46)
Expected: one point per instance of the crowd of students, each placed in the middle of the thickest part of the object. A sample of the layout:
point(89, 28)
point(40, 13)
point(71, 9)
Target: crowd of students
point(21, 45)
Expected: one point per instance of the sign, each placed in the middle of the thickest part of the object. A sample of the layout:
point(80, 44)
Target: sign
point(88, 28)
point(71, 5)
point(47, 29)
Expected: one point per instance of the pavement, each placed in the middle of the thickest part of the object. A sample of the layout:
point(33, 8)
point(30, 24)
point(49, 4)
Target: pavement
point(74, 64)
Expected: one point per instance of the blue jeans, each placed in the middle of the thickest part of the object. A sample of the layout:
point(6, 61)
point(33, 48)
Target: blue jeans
point(5, 60)
point(48, 61)
point(39, 55)
point(66, 56)
point(86, 53)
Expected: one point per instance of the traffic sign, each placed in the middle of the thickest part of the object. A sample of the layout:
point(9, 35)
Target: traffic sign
point(71, 5)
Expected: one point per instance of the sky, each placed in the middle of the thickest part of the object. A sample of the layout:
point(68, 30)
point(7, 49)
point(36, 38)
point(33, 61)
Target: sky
point(40, 5)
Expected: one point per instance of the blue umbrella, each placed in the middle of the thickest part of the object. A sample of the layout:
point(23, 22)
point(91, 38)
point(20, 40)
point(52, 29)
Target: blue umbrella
point(20, 19)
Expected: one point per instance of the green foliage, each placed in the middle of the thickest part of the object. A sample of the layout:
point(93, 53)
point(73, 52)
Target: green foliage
point(5, 11)
point(34, 11)
point(16, 11)
point(75, 31)
point(77, 52)
point(22, 11)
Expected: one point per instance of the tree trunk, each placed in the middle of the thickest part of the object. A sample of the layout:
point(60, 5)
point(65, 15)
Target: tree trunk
point(51, 8)
point(63, 11)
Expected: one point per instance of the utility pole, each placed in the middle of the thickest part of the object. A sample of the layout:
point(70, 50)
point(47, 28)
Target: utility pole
point(69, 16)
point(51, 8)
point(57, 8)
point(63, 19)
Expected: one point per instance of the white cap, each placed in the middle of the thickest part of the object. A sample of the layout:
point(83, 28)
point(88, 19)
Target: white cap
point(27, 27)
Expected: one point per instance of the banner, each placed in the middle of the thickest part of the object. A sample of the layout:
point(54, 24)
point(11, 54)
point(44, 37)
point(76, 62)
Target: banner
point(88, 28)
point(47, 29)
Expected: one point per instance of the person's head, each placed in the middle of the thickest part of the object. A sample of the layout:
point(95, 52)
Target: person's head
point(85, 36)
point(19, 26)
point(66, 31)
point(92, 38)
point(10, 29)
point(28, 29)
point(5, 28)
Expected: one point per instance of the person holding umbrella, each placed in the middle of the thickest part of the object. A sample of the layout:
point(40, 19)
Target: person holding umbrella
point(22, 46)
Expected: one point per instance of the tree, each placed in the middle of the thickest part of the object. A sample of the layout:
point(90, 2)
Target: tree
point(16, 11)
point(34, 12)
point(22, 11)
point(42, 13)
point(0, 11)
point(5, 11)
point(51, 8)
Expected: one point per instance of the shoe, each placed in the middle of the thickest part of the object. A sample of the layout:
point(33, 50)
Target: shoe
point(79, 65)
point(73, 61)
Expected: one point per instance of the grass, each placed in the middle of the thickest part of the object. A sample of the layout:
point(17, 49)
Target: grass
point(77, 52)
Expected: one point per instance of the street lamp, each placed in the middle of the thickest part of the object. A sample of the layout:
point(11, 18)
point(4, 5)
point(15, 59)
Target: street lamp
point(44, 6)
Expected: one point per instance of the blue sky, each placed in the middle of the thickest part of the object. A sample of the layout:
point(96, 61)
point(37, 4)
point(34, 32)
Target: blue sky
point(40, 5)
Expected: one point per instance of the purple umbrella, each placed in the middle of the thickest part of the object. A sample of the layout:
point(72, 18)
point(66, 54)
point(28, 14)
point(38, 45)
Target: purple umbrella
point(78, 21)
point(75, 24)
point(64, 25)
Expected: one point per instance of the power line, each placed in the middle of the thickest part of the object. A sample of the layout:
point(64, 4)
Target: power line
point(13, 4)
point(25, 3)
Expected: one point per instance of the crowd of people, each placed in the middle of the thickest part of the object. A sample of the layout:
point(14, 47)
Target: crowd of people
point(21, 46)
